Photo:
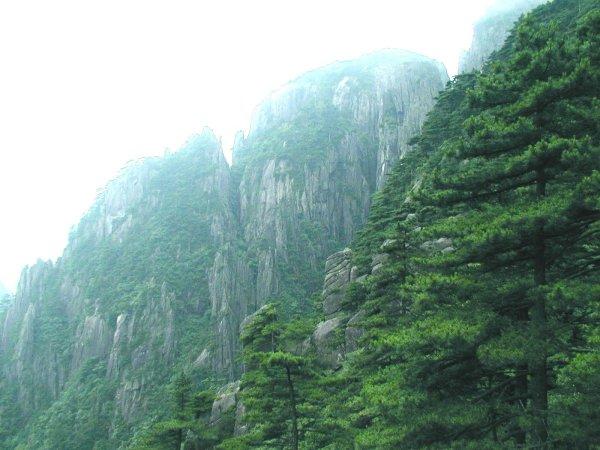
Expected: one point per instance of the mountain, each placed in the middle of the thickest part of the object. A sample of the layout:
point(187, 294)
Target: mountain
point(128, 301)
point(393, 260)
point(177, 250)
point(491, 31)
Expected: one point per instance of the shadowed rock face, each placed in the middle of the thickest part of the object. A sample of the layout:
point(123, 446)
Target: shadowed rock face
point(490, 32)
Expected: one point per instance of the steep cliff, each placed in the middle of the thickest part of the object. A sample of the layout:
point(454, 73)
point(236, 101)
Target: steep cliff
point(490, 32)
point(132, 297)
point(317, 150)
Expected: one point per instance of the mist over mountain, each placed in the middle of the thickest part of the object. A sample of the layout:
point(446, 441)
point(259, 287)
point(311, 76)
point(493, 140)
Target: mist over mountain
point(491, 31)
point(394, 259)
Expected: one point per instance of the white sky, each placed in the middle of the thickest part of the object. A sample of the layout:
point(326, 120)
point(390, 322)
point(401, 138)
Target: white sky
point(86, 86)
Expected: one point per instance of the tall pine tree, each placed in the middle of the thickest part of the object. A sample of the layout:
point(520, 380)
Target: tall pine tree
point(278, 388)
point(500, 320)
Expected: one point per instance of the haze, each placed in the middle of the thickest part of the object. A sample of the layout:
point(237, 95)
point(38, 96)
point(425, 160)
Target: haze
point(87, 86)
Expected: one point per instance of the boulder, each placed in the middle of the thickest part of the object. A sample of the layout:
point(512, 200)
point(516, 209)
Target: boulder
point(438, 245)
point(378, 262)
point(225, 400)
point(325, 338)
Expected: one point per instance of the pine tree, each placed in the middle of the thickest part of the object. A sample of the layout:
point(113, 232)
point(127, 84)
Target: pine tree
point(520, 192)
point(276, 387)
point(502, 324)
point(187, 423)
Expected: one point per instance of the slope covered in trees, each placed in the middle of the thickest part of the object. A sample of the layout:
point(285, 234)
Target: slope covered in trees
point(91, 344)
point(481, 329)
point(466, 313)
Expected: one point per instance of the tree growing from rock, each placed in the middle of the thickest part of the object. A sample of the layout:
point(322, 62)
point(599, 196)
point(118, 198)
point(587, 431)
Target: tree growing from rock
point(278, 386)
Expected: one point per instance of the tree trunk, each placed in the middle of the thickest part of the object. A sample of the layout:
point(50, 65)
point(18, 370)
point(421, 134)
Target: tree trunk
point(538, 365)
point(521, 394)
point(179, 439)
point(521, 388)
point(293, 408)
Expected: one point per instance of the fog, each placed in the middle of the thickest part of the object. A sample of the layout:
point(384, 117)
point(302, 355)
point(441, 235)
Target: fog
point(87, 86)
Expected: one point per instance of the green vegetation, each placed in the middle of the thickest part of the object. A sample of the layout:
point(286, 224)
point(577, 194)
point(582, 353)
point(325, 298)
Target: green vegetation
point(480, 331)
point(188, 424)
point(82, 416)
point(155, 279)
point(279, 385)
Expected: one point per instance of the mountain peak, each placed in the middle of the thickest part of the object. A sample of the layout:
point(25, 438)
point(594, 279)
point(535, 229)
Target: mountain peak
point(376, 71)
point(206, 138)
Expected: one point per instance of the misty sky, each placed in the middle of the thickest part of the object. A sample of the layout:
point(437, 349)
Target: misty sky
point(87, 86)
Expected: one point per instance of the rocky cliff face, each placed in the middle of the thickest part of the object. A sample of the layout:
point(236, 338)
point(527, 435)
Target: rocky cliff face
point(177, 251)
point(491, 31)
point(317, 150)
point(139, 289)
point(289, 179)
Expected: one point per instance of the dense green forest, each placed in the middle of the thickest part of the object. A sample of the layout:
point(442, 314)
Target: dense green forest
point(480, 328)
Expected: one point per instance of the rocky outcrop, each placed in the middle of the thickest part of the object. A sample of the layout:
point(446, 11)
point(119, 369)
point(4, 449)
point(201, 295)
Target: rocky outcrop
point(130, 400)
point(226, 400)
point(92, 340)
point(490, 32)
point(119, 341)
point(338, 274)
point(339, 334)
point(227, 414)
point(328, 342)
point(442, 244)
point(232, 299)
point(378, 261)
